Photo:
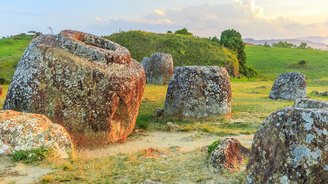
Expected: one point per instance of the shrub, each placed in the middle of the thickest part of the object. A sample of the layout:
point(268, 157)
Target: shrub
point(212, 146)
point(183, 31)
point(30, 156)
point(283, 44)
point(302, 62)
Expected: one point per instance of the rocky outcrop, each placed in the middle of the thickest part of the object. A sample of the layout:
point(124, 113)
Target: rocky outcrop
point(89, 84)
point(289, 86)
point(158, 68)
point(24, 131)
point(291, 147)
point(229, 154)
point(198, 92)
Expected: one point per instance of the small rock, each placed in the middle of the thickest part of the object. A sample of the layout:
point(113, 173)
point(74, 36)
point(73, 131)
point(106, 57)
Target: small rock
point(310, 104)
point(158, 113)
point(158, 68)
point(25, 131)
point(289, 86)
point(229, 154)
point(172, 127)
point(317, 93)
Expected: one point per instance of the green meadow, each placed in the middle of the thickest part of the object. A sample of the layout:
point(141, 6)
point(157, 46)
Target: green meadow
point(250, 106)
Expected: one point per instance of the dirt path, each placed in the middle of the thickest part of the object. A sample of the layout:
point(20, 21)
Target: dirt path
point(19, 173)
point(186, 141)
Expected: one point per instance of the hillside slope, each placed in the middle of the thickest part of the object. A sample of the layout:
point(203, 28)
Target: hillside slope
point(188, 50)
point(270, 62)
point(11, 50)
point(185, 49)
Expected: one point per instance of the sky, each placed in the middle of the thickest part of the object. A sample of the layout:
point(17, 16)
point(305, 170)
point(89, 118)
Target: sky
point(259, 19)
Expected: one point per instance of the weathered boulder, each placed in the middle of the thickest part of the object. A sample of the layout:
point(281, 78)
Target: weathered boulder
point(311, 104)
point(229, 154)
point(158, 68)
point(290, 147)
point(89, 84)
point(289, 86)
point(197, 92)
point(24, 131)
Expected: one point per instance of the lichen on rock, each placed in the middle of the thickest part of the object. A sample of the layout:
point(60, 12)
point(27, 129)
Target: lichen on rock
point(289, 86)
point(198, 92)
point(229, 154)
point(291, 146)
point(86, 83)
point(25, 131)
point(158, 68)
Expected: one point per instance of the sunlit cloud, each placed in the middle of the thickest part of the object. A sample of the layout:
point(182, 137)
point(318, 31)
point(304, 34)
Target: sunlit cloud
point(160, 12)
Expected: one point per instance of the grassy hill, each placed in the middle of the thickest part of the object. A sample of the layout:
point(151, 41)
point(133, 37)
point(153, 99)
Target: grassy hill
point(11, 50)
point(185, 49)
point(270, 62)
point(189, 50)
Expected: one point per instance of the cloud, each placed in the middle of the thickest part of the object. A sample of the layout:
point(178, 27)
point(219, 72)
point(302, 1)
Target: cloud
point(160, 12)
point(209, 20)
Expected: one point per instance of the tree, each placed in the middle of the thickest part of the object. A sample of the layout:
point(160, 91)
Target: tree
point(215, 39)
point(283, 44)
point(232, 39)
point(266, 44)
point(303, 45)
point(183, 31)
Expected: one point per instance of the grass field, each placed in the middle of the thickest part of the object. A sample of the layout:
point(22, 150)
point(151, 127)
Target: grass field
point(270, 62)
point(250, 105)
point(11, 50)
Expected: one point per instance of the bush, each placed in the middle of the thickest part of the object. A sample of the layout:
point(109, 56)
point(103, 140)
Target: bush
point(266, 44)
point(249, 72)
point(183, 31)
point(283, 44)
point(302, 62)
point(30, 156)
point(212, 146)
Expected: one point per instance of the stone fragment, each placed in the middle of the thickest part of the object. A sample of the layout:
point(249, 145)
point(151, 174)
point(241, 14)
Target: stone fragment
point(229, 154)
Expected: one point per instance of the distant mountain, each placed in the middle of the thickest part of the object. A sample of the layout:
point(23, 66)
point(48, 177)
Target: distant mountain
point(316, 39)
point(315, 42)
